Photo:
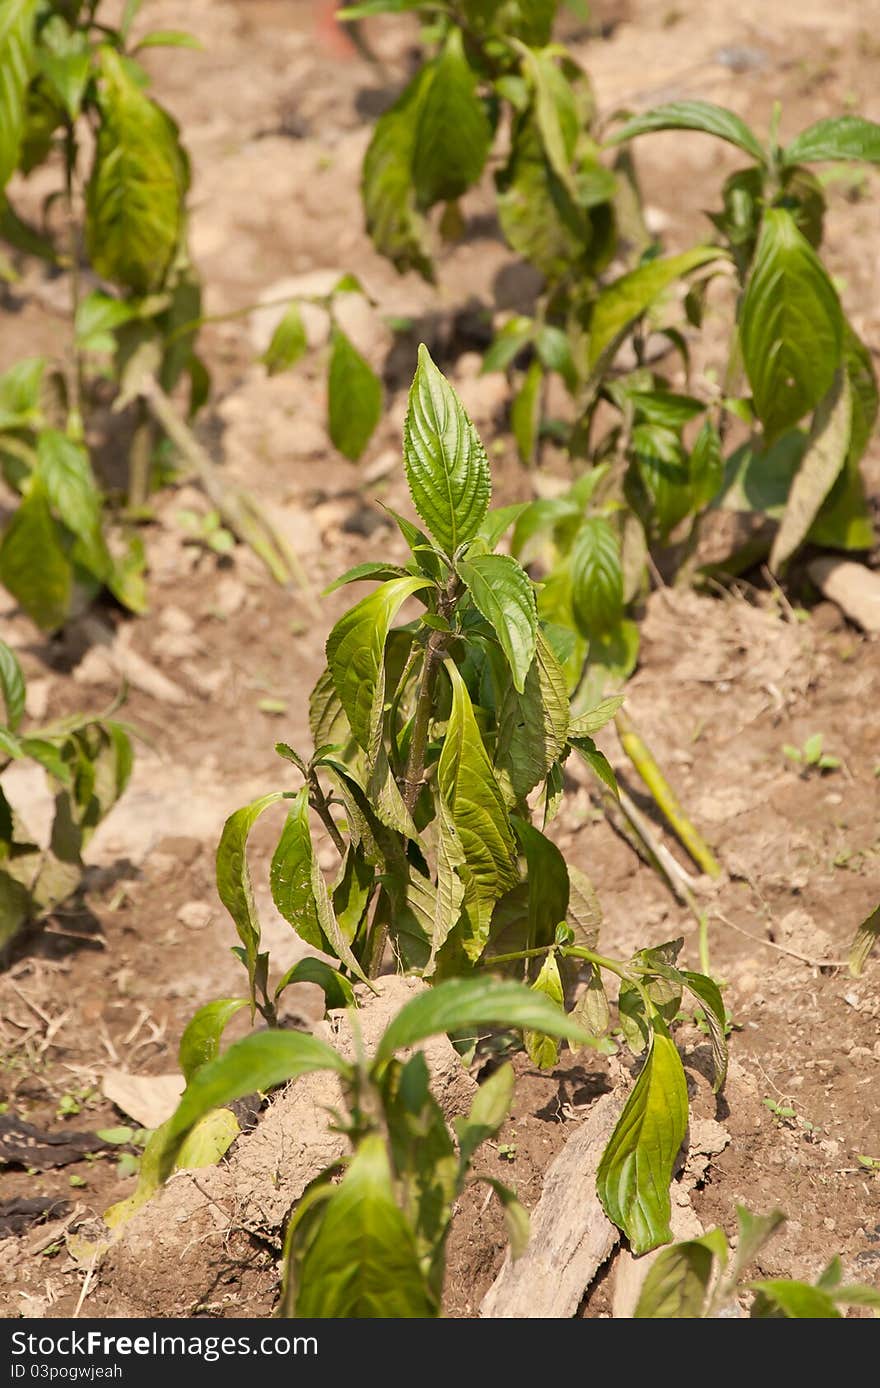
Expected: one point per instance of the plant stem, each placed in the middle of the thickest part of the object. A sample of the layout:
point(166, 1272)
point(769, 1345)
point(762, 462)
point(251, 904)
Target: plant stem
point(518, 954)
point(74, 375)
point(319, 804)
point(600, 960)
point(643, 760)
point(139, 459)
point(415, 764)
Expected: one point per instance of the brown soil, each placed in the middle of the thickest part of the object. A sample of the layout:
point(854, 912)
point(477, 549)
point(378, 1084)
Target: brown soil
point(277, 122)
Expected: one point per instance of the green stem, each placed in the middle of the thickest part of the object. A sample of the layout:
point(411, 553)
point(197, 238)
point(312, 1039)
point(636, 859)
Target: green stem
point(319, 804)
point(139, 459)
point(74, 375)
point(414, 775)
point(643, 760)
point(517, 955)
point(600, 960)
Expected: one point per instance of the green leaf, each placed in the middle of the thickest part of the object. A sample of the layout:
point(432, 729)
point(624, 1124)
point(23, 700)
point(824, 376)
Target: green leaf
point(840, 137)
point(369, 570)
point(707, 992)
point(548, 886)
point(338, 992)
point(464, 1003)
point(660, 458)
point(354, 397)
point(538, 216)
point(497, 521)
point(453, 135)
point(200, 1042)
point(821, 465)
point(591, 1011)
point(450, 886)
point(66, 473)
point(446, 464)
point(234, 879)
point(288, 343)
point(706, 466)
point(516, 1218)
point(20, 390)
point(64, 57)
point(99, 314)
point(33, 565)
point(503, 593)
point(135, 196)
point(792, 1300)
point(468, 787)
point(543, 1050)
point(532, 727)
point(525, 413)
point(257, 1063)
point(356, 657)
point(636, 1168)
point(290, 874)
point(361, 1262)
point(509, 341)
point(664, 407)
point(167, 38)
point(597, 761)
point(859, 366)
point(397, 228)
point(596, 718)
point(678, 1282)
point(791, 325)
point(584, 912)
point(863, 943)
point(753, 1232)
point(597, 577)
point(488, 1113)
point(693, 115)
point(16, 62)
point(12, 686)
point(625, 300)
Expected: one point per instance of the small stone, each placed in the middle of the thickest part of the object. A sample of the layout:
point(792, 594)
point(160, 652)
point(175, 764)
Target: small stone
point(176, 620)
point(195, 915)
point(37, 699)
point(230, 596)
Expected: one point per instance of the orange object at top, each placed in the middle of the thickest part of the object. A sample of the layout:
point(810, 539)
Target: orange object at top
point(332, 36)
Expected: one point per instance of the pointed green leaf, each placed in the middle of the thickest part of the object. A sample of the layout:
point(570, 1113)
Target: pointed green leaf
point(503, 592)
point(489, 1111)
point(596, 577)
point(706, 466)
point(135, 196)
point(452, 137)
point(362, 1262)
point(595, 720)
point(356, 657)
point(290, 874)
point(547, 877)
point(446, 464)
point(354, 397)
point(591, 1011)
point(791, 325)
point(533, 726)
point(538, 216)
point(792, 1300)
point(33, 565)
point(66, 473)
point(821, 465)
point(707, 992)
point(12, 686)
point(234, 879)
point(397, 228)
point(257, 1063)
point(450, 886)
point(338, 992)
point(463, 1003)
point(625, 300)
point(201, 1039)
point(636, 1168)
point(753, 1233)
point(16, 63)
point(543, 1050)
point(840, 137)
point(362, 572)
point(597, 761)
point(288, 342)
point(525, 413)
point(677, 1285)
point(468, 786)
point(693, 115)
point(584, 914)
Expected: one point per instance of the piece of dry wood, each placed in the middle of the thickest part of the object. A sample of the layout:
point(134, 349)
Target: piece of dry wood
point(855, 589)
point(571, 1234)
